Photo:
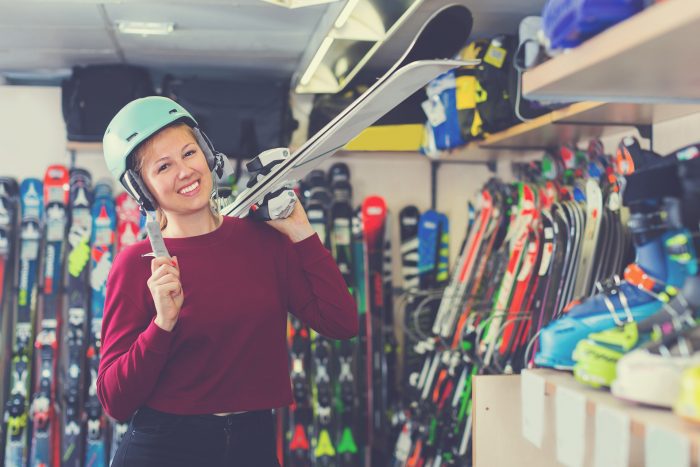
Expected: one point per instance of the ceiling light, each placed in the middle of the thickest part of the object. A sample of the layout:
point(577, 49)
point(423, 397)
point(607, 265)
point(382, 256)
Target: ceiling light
point(145, 28)
point(345, 14)
point(298, 3)
point(316, 61)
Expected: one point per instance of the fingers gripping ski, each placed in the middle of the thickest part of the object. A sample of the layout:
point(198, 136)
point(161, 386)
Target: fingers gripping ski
point(279, 203)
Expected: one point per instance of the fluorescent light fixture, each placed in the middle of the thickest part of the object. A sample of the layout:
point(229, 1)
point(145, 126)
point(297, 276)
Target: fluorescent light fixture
point(345, 14)
point(358, 28)
point(316, 61)
point(145, 28)
point(298, 3)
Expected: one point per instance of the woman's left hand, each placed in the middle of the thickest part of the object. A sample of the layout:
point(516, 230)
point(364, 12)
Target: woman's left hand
point(297, 226)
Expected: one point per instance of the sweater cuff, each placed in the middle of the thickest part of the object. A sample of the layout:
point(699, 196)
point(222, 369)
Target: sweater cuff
point(156, 339)
point(311, 250)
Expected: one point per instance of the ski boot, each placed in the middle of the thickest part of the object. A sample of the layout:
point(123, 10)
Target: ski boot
point(670, 256)
point(664, 257)
point(652, 374)
point(596, 357)
point(687, 405)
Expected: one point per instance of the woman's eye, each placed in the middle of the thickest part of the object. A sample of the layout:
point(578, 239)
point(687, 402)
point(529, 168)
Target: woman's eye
point(189, 153)
point(162, 167)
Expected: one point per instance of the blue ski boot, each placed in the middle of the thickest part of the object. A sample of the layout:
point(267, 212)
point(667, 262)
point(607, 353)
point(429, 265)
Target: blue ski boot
point(665, 256)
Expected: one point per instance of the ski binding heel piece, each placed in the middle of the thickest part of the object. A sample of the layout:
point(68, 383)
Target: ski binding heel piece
point(278, 204)
point(262, 164)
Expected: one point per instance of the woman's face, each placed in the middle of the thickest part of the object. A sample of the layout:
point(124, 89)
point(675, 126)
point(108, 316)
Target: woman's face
point(176, 172)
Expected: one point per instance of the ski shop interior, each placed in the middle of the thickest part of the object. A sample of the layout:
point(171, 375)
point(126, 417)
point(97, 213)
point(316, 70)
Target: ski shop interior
point(520, 244)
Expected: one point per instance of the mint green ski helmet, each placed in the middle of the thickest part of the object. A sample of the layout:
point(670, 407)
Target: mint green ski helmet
point(136, 122)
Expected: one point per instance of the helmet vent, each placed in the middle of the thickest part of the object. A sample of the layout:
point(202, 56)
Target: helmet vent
point(173, 111)
point(132, 136)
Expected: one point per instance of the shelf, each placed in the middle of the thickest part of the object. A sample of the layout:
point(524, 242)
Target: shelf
point(647, 58)
point(498, 398)
point(584, 120)
point(79, 146)
point(579, 121)
point(640, 416)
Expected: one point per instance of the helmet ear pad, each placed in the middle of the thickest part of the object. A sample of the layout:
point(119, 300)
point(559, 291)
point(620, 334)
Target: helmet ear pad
point(135, 186)
point(214, 159)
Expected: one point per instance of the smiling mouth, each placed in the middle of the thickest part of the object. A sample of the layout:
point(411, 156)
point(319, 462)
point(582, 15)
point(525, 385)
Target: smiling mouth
point(189, 188)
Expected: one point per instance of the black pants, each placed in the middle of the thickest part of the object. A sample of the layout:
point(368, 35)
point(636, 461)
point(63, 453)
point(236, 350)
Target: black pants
point(159, 439)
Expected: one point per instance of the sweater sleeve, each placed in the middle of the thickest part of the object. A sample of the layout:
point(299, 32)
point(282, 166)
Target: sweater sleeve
point(134, 349)
point(317, 292)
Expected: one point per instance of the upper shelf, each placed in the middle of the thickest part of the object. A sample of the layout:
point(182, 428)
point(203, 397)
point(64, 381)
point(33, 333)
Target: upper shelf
point(647, 58)
point(584, 120)
point(579, 121)
point(87, 147)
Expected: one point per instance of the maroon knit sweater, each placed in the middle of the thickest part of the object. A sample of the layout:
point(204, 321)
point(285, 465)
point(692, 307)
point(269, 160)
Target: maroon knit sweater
point(228, 350)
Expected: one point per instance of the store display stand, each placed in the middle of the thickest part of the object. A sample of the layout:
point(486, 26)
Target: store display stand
point(498, 411)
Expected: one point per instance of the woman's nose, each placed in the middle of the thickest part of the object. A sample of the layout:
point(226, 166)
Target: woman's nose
point(184, 170)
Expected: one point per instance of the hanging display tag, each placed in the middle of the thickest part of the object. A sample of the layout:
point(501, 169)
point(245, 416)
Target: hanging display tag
point(665, 448)
point(570, 420)
point(532, 403)
point(435, 111)
point(495, 56)
point(612, 437)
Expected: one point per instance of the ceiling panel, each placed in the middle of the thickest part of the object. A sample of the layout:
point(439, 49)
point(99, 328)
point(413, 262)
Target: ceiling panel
point(216, 41)
point(27, 38)
point(53, 14)
point(244, 18)
point(17, 60)
point(227, 34)
point(267, 63)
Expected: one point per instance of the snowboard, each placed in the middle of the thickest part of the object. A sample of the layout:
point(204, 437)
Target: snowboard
point(419, 64)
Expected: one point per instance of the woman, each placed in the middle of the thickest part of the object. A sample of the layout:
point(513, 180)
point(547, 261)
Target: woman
point(194, 348)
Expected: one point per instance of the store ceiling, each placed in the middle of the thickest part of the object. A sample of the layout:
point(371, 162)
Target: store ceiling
point(44, 39)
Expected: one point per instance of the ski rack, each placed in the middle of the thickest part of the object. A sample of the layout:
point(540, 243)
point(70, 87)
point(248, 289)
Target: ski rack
point(435, 164)
point(645, 130)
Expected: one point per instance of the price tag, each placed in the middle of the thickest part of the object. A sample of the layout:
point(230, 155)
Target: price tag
point(435, 111)
point(532, 403)
point(495, 55)
point(570, 422)
point(612, 437)
point(664, 448)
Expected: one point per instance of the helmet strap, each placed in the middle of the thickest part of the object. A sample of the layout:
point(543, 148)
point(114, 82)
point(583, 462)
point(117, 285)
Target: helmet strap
point(134, 185)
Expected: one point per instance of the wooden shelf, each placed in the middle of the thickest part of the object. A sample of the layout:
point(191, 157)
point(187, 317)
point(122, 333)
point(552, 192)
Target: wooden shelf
point(497, 398)
point(640, 416)
point(579, 121)
point(584, 120)
point(79, 146)
point(647, 58)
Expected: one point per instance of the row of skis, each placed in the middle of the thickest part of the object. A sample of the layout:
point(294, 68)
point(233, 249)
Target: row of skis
point(532, 249)
point(342, 389)
point(58, 237)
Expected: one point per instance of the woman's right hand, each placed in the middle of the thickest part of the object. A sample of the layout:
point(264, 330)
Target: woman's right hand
point(166, 290)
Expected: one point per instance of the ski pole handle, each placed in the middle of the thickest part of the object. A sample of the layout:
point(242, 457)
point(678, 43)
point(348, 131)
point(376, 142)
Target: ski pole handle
point(156, 238)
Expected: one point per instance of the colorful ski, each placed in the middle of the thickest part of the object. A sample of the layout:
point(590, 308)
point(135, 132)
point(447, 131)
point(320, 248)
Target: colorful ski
point(17, 410)
point(72, 354)
point(43, 406)
point(104, 225)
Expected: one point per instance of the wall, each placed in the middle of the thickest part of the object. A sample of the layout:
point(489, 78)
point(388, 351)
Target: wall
point(32, 133)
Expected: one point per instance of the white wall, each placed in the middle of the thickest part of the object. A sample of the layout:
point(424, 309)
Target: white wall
point(32, 132)
point(33, 135)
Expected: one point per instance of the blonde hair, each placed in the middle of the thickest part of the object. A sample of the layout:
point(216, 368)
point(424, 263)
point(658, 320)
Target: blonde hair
point(137, 158)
